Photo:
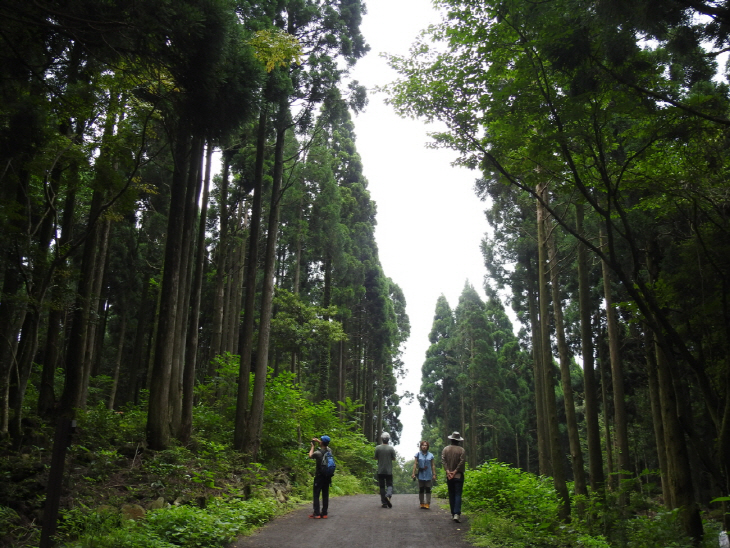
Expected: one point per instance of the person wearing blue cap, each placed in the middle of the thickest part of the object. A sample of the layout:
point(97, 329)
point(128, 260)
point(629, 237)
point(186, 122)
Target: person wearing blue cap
point(321, 482)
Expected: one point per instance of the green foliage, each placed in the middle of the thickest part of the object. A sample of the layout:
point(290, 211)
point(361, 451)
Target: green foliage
point(291, 421)
point(82, 522)
point(11, 526)
point(300, 327)
point(662, 530)
point(496, 531)
point(276, 48)
point(402, 482)
point(216, 525)
point(109, 447)
point(99, 427)
point(517, 509)
point(512, 493)
point(512, 508)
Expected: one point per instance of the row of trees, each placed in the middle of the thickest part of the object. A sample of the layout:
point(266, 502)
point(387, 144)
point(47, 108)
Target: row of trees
point(476, 380)
point(125, 259)
point(601, 131)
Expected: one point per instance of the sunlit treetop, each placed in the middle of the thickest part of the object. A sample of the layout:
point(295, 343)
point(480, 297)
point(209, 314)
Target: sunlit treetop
point(275, 47)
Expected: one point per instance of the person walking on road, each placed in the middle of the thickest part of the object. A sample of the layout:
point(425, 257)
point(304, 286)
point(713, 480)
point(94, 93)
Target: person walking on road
point(321, 482)
point(453, 458)
point(424, 468)
point(385, 455)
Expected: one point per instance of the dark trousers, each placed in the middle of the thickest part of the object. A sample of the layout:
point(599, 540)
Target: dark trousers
point(385, 480)
point(321, 485)
point(456, 486)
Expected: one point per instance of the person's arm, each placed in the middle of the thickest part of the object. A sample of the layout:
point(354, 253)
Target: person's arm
point(462, 460)
point(449, 473)
point(415, 465)
point(376, 453)
point(311, 448)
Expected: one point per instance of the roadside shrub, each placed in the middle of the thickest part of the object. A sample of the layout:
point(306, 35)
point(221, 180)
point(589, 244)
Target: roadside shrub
point(188, 526)
point(662, 530)
point(81, 522)
point(510, 492)
point(496, 531)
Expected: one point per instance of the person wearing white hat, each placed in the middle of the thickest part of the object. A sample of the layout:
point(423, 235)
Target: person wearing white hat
point(453, 459)
point(385, 455)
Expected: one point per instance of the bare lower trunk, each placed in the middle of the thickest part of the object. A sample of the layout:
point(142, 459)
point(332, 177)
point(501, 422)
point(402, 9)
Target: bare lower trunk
point(246, 339)
point(605, 379)
point(571, 422)
point(590, 389)
point(548, 380)
point(617, 377)
point(191, 350)
point(542, 436)
point(158, 423)
point(656, 413)
point(118, 361)
point(75, 353)
point(253, 432)
point(222, 262)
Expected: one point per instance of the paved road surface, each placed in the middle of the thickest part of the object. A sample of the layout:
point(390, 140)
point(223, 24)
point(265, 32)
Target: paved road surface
point(360, 522)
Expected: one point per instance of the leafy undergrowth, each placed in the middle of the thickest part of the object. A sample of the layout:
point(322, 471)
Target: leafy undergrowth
point(509, 508)
point(118, 493)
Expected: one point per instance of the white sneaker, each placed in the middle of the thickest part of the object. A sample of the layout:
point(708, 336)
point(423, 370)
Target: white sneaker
point(456, 518)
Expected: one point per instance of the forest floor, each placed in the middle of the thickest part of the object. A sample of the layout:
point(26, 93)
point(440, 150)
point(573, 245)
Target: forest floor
point(359, 521)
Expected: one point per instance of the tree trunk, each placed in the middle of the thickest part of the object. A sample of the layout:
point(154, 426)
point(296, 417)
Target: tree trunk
point(656, 413)
point(222, 253)
point(191, 351)
point(593, 433)
point(617, 377)
point(341, 371)
point(605, 378)
point(326, 357)
point(238, 276)
point(136, 367)
point(680, 474)
point(13, 308)
point(118, 360)
point(542, 435)
point(75, 353)
point(576, 453)
point(548, 380)
point(158, 416)
point(253, 433)
point(101, 237)
point(246, 339)
point(194, 185)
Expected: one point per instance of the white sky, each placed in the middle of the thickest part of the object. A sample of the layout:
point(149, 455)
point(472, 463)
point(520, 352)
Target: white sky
point(430, 221)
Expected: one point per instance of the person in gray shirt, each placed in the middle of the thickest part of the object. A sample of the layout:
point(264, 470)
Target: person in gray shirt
point(385, 455)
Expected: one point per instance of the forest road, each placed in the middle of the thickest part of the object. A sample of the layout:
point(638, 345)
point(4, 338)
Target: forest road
point(359, 521)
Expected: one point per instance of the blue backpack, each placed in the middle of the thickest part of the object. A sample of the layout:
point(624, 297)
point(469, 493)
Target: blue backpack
point(328, 466)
